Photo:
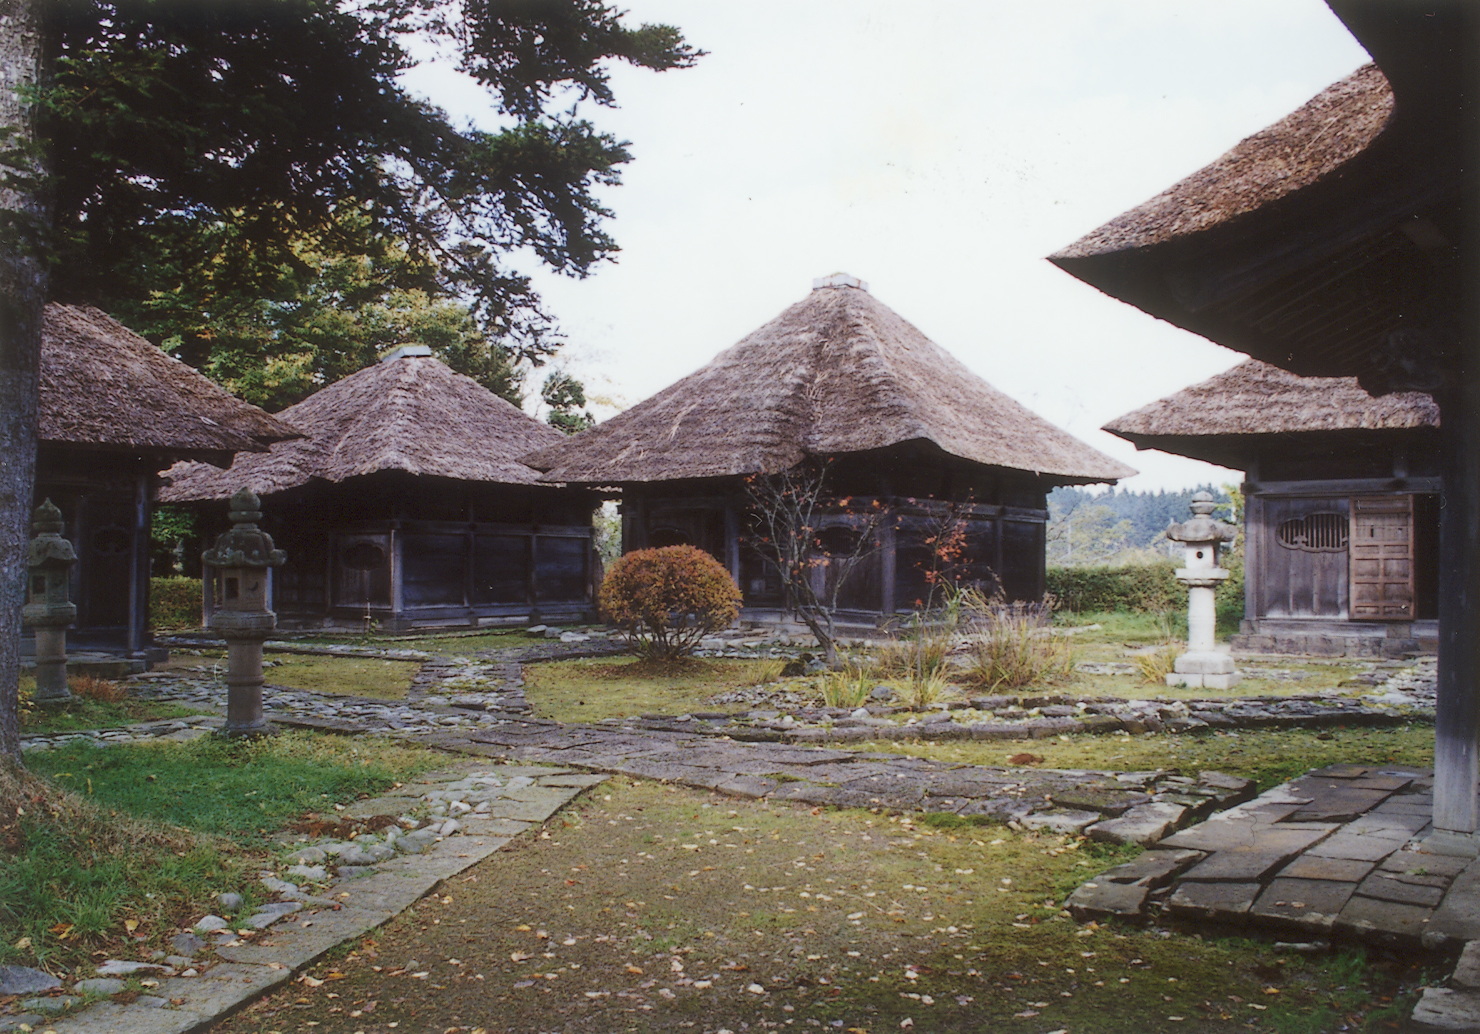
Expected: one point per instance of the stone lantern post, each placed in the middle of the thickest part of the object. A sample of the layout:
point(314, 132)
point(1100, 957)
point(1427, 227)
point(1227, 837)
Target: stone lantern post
point(48, 609)
point(1202, 664)
point(241, 558)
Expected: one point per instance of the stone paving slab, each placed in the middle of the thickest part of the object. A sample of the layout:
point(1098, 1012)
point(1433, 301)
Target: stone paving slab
point(1368, 879)
point(223, 987)
point(1310, 904)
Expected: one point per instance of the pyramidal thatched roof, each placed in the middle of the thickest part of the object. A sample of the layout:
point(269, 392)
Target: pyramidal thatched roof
point(839, 372)
point(409, 412)
point(103, 386)
point(1254, 399)
point(1304, 146)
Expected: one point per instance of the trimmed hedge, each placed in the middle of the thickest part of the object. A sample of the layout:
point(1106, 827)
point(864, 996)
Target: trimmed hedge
point(174, 603)
point(1143, 588)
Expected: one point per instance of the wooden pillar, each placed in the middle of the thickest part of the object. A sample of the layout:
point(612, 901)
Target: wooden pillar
point(1253, 553)
point(732, 539)
point(138, 571)
point(888, 567)
point(1457, 716)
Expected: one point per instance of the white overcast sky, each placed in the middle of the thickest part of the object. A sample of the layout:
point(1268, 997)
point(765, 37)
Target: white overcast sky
point(937, 150)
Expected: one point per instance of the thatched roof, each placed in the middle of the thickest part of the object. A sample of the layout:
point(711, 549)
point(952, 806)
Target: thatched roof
point(408, 412)
point(1256, 399)
point(105, 387)
point(1303, 147)
point(839, 372)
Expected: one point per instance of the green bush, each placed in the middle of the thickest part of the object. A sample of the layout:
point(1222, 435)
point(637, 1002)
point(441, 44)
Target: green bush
point(174, 603)
point(665, 600)
point(1144, 589)
point(1141, 588)
point(1228, 598)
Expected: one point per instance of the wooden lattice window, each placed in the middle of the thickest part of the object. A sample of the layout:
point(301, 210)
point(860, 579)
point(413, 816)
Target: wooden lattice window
point(1315, 533)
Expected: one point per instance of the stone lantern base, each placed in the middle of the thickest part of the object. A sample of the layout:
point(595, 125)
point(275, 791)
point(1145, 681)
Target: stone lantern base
point(1204, 669)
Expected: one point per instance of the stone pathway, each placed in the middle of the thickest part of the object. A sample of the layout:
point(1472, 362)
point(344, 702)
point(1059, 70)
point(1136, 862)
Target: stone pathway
point(1332, 854)
point(461, 815)
point(1339, 853)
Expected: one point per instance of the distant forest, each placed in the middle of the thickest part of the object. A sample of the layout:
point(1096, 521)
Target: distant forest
point(1120, 526)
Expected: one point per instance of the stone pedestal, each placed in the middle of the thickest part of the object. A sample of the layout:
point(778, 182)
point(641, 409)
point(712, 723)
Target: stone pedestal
point(241, 559)
point(1202, 664)
point(49, 609)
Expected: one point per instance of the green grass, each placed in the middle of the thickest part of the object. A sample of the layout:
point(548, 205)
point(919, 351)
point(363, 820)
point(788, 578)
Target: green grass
point(368, 677)
point(1268, 756)
point(245, 789)
point(589, 690)
point(81, 713)
point(116, 849)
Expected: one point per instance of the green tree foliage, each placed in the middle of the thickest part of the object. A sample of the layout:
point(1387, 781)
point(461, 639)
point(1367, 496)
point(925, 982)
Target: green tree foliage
point(312, 321)
point(665, 600)
point(566, 396)
point(251, 177)
point(1117, 526)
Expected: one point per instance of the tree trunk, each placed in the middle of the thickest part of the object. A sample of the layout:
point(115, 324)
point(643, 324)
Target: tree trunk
point(23, 281)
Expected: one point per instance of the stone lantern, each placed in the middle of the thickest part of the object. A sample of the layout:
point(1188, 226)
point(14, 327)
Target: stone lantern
point(48, 608)
point(240, 559)
point(1202, 664)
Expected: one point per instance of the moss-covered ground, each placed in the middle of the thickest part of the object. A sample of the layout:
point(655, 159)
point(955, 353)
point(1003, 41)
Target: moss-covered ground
point(590, 690)
point(653, 908)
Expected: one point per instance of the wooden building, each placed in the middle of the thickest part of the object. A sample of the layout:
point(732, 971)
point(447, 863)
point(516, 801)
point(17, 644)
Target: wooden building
point(839, 377)
point(1341, 504)
point(405, 506)
point(114, 412)
point(1337, 243)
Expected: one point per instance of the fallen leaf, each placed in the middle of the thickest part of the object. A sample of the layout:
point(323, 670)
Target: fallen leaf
point(310, 981)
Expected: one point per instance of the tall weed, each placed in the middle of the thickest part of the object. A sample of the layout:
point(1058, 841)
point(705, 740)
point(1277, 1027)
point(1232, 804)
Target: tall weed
point(1156, 664)
point(846, 688)
point(1013, 647)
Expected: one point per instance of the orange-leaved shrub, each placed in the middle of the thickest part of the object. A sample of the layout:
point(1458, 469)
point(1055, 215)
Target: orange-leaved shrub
point(665, 600)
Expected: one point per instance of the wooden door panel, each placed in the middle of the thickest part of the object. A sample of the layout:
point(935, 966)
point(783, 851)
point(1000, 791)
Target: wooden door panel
point(1382, 557)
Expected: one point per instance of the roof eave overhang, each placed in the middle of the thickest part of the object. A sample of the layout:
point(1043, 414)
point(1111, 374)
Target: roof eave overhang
point(1232, 282)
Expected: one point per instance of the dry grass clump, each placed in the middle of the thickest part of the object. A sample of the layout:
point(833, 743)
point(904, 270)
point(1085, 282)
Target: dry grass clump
point(1012, 646)
point(1155, 665)
point(846, 688)
point(91, 688)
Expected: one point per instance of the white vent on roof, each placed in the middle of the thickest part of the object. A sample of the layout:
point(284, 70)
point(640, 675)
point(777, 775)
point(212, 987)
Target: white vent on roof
point(406, 352)
point(839, 280)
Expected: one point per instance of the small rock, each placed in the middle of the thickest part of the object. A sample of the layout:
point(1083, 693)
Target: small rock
point(883, 694)
point(120, 968)
point(186, 943)
point(210, 924)
point(229, 900)
point(309, 872)
point(19, 980)
point(308, 856)
point(59, 1004)
point(861, 712)
point(100, 986)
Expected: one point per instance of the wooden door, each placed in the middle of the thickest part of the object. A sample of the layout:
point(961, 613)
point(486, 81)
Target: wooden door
point(1382, 558)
